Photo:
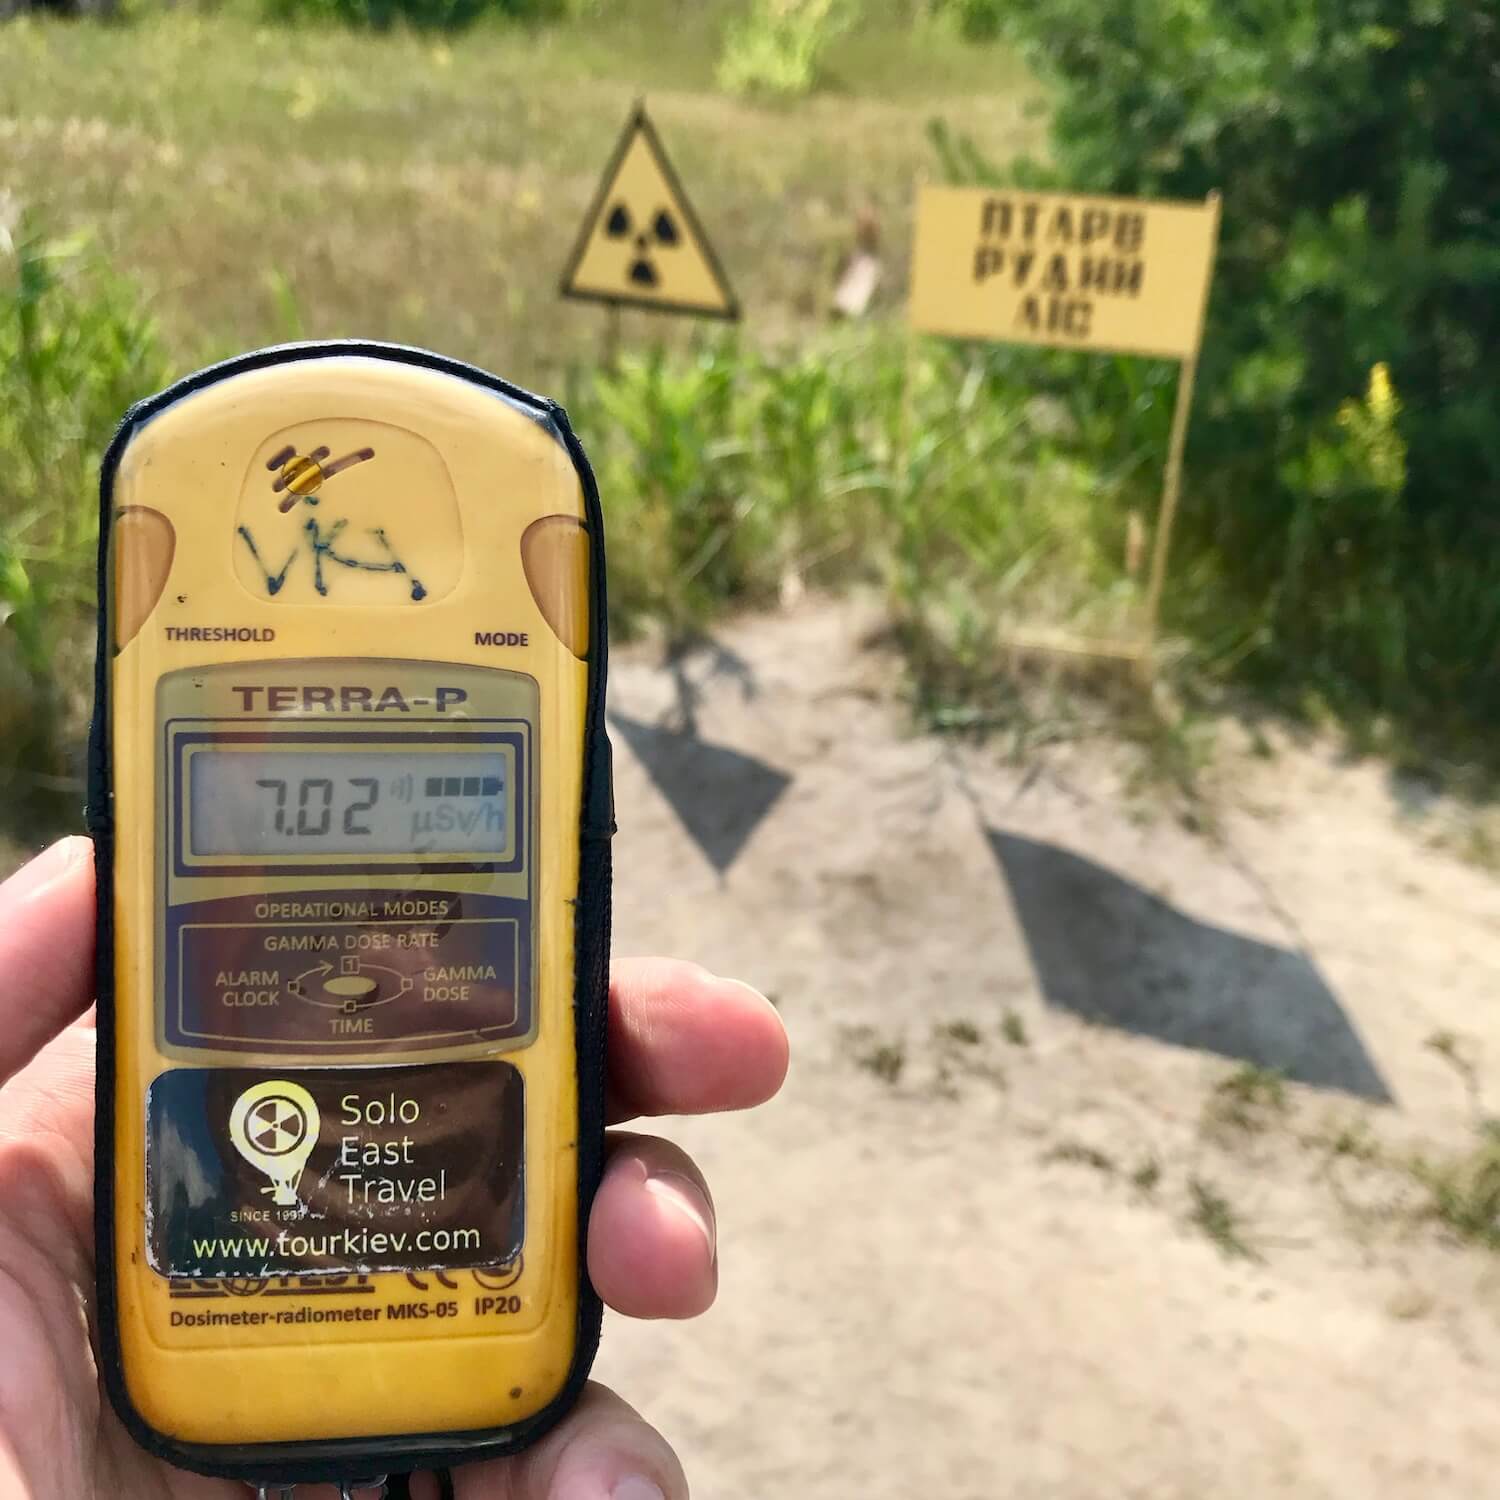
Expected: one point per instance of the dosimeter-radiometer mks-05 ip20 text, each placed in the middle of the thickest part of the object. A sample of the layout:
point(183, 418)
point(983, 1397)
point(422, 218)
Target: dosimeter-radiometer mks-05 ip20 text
point(350, 792)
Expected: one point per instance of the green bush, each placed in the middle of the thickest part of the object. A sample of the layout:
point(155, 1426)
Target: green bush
point(426, 15)
point(777, 46)
point(1355, 148)
point(663, 440)
point(735, 476)
point(976, 20)
point(76, 349)
point(727, 473)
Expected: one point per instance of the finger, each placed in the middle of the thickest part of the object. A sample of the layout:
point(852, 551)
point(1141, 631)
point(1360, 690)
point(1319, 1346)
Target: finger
point(46, 949)
point(602, 1450)
point(682, 1041)
point(652, 1235)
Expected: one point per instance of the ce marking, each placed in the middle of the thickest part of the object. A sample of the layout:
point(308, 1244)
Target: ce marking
point(441, 1277)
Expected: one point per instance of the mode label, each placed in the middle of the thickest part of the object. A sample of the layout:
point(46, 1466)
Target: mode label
point(258, 1172)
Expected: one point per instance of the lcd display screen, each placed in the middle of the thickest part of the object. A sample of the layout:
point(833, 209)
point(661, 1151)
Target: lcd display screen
point(349, 801)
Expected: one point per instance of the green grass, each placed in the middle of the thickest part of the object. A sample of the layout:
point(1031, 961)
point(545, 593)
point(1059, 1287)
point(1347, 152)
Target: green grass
point(1248, 1101)
point(736, 473)
point(1352, 1140)
point(1013, 1029)
point(964, 1033)
point(257, 182)
point(1217, 1219)
point(241, 183)
point(884, 1058)
point(76, 349)
point(959, 1055)
point(427, 188)
point(1456, 1051)
point(1080, 1154)
point(1463, 1190)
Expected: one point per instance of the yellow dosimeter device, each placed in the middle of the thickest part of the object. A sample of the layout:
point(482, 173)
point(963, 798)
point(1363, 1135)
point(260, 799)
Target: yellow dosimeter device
point(350, 791)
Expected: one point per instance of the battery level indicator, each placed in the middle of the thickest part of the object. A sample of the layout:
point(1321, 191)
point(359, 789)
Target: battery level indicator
point(463, 786)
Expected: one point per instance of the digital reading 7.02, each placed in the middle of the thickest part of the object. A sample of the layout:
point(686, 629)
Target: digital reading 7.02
point(349, 800)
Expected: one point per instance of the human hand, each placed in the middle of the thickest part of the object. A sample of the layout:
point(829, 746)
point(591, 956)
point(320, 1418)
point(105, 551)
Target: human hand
point(680, 1042)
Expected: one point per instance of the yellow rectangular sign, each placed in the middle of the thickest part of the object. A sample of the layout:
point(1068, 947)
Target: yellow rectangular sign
point(1115, 274)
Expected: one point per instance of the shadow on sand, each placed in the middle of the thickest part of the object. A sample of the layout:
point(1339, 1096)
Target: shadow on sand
point(721, 796)
point(1110, 951)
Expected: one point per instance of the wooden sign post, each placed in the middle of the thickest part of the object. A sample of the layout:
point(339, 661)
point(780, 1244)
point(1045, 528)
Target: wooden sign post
point(1110, 275)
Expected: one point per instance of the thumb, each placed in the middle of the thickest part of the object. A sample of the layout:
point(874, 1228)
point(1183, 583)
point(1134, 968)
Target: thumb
point(602, 1450)
point(46, 949)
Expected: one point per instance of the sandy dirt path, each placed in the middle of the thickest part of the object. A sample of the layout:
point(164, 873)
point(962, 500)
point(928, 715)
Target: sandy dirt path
point(1007, 1233)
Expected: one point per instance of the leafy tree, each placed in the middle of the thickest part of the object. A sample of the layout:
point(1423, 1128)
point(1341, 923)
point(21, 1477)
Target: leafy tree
point(1354, 142)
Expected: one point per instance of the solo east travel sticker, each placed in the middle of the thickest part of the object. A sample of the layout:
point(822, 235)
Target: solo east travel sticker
point(262, 1172)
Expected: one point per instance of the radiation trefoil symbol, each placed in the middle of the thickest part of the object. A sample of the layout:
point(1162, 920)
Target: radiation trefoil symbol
point(274, 1126)
point(662, 230)
point(641, 243)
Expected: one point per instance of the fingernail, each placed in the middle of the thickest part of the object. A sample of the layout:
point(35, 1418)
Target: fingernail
point(636, 1488)
point(48, 865)
point(686, 1197)
point(740, 984)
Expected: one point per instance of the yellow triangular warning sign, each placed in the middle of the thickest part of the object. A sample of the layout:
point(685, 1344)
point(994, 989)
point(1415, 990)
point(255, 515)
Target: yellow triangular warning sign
point(642, 244)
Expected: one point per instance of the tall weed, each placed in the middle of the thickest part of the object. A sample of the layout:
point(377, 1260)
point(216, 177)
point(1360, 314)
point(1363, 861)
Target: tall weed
point(777, 46)
point(975, 20)
point(424, 15)
point(76, 349)
point(738, 476)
